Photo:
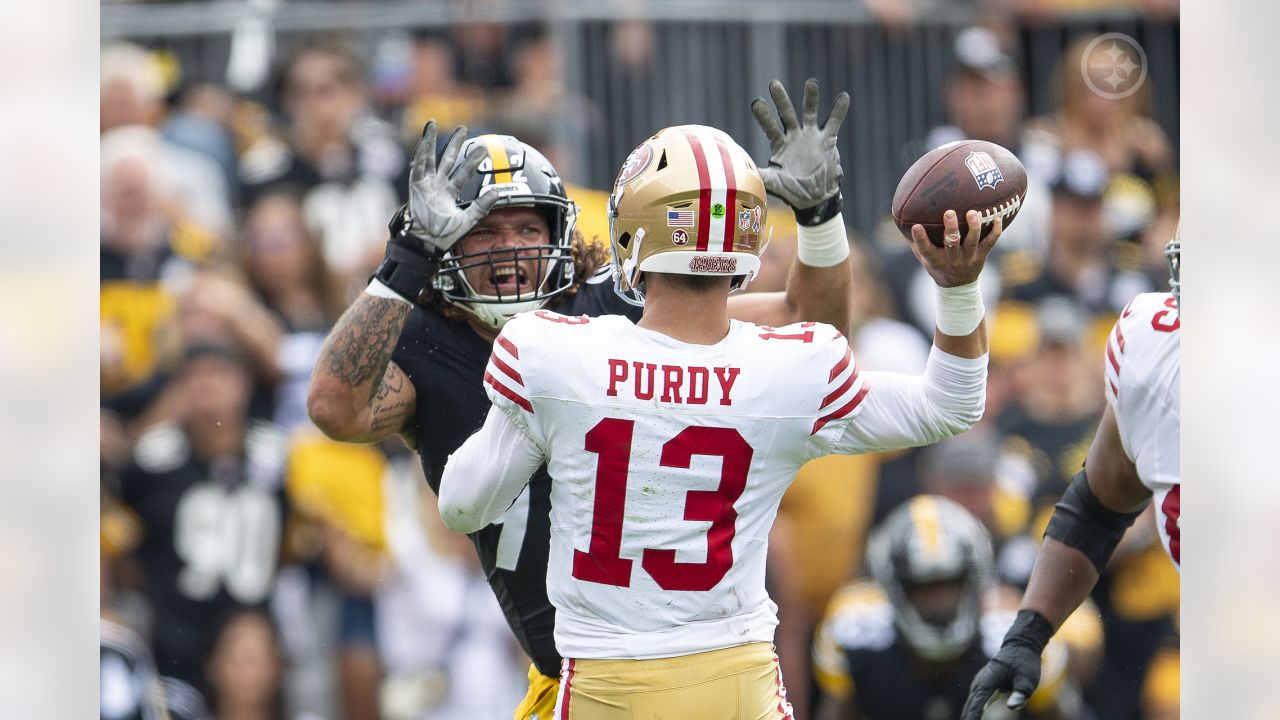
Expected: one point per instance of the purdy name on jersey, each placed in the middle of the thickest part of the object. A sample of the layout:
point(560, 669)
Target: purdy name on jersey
point(672, 384)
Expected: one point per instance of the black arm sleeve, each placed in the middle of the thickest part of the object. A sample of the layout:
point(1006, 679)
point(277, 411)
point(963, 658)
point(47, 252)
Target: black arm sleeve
point(1083, 522)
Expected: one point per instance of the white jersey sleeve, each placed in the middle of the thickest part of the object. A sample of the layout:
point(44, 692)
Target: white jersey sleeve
point(484, 476)
point(504, 376)
point(873, 411)
point(1142, 386)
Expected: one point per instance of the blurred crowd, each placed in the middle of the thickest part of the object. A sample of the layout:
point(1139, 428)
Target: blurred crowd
point(251, 568)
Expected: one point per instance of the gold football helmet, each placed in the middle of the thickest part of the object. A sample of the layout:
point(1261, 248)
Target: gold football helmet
point(688, 201)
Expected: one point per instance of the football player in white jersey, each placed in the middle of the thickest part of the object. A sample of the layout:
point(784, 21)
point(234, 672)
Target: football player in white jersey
point(670, 441)
point(1134, 459)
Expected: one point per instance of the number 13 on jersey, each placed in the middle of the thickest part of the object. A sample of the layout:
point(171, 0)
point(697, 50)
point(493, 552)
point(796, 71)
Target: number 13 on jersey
point(610, 439)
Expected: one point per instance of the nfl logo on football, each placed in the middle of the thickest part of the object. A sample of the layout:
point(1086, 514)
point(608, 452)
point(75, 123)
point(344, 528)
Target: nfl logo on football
point(984, 169)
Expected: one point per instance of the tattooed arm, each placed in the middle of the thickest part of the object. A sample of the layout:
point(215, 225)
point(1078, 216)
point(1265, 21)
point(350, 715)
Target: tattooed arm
point(357, 394)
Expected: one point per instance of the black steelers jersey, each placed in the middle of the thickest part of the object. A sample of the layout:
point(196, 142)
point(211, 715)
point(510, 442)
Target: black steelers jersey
point(212, 537)
point(859, 654)
point(445, 360)
point(892, 685)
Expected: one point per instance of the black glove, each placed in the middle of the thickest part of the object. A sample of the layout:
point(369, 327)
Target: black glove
point(804, 164)
point(431, 222)
point(1014, 669)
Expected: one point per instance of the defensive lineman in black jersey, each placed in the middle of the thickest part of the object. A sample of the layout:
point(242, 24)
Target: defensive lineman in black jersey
point(489, 232)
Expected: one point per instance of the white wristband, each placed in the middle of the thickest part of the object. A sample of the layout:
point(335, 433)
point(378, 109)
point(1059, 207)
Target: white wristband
point(822, 245)
point(960, 309)
point(377, 289)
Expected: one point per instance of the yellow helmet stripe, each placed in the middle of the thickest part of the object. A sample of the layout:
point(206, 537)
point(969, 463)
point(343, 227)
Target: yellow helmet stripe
point(498, 156)
point(925, 518)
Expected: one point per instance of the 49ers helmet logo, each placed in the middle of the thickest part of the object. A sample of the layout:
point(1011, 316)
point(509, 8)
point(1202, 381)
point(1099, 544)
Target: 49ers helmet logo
point(636, 162)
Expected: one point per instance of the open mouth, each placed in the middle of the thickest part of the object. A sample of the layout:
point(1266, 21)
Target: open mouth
point(510, 280)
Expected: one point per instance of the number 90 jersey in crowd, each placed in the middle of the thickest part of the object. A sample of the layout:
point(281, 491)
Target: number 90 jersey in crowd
point(668, 461)
point(1142, 368)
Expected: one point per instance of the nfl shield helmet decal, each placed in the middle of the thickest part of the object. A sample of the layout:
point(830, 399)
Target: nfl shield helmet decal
point(985, 171)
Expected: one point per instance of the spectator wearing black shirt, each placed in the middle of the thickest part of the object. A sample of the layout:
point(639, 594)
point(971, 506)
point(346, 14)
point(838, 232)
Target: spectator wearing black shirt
point(1085, 260)
point(337, 155)
point(207, 490)
point(148, 248)
point(1057, 400)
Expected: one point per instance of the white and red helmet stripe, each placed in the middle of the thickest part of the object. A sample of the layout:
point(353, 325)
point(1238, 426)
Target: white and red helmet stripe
point(719, 186)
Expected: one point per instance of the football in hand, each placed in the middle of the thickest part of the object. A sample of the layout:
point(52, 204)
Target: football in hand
point(962, 176)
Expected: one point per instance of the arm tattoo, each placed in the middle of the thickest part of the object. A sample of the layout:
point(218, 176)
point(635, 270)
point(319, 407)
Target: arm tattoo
point(359, 348)
point(392, 382)
point(389, 414)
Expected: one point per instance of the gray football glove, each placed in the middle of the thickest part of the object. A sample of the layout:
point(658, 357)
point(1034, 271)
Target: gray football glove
point(431, 222)
point(804, 164)
point(433, 216)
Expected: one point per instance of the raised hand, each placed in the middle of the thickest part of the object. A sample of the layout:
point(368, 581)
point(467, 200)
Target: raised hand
point(432, 217)
point(960, 260)
point(804, 164)
point(431, 222)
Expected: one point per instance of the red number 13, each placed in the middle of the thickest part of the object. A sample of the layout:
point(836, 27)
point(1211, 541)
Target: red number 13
point(611, 440)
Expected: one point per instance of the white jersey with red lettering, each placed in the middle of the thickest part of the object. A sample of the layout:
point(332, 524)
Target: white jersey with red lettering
point(668, 462)
point(1142, 368)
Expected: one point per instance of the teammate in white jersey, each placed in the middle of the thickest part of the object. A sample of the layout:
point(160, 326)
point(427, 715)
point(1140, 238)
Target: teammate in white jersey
point(671, 441)
point(1134, 459)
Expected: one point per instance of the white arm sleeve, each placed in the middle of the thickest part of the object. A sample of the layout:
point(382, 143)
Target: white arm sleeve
point(910, 410)
point(485, 476)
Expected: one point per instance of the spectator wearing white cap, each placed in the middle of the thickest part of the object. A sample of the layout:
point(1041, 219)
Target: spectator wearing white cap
point(133, 88)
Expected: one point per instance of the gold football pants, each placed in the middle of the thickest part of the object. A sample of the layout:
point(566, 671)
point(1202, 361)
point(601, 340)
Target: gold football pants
point(737, 683)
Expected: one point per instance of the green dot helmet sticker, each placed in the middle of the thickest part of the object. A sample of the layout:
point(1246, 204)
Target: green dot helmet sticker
point(717, 211)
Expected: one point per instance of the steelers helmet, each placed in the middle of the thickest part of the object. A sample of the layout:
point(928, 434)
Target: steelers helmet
point(687, 201)
point(931, 539)
point(1173, 253)
point(522, 177)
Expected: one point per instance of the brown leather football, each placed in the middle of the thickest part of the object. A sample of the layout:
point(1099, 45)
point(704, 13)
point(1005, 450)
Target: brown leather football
point(962, 176)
